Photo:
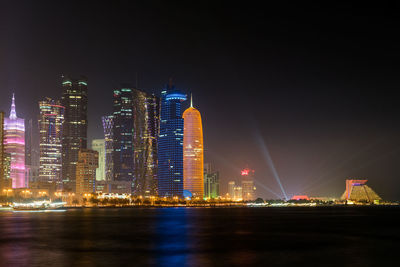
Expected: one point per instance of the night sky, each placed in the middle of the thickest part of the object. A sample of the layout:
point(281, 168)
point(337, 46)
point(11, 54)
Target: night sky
point(313, 85)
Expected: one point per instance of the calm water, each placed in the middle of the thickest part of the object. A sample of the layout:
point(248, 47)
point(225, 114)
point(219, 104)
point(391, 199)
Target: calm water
point(363, 236)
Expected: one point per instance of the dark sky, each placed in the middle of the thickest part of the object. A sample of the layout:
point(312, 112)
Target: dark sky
point(314, 85)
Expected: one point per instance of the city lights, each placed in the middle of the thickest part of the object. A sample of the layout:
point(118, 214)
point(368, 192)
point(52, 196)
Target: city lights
point(199, 133)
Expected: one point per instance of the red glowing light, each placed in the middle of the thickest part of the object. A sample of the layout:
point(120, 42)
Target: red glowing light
point(300, 197)
point(245, 172)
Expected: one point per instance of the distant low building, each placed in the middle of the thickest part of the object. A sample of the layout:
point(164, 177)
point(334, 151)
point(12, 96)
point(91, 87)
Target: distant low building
point(43, 186)
point(238, 193)
point(300, 197)
point(357, 190)
point(231, 189)
point(114, 187)
point(88, 162)
point(324, 199)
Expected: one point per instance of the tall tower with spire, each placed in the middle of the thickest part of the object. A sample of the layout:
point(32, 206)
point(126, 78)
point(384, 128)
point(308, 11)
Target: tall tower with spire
point(170, 143)
point(193, 159)
point(14, 143)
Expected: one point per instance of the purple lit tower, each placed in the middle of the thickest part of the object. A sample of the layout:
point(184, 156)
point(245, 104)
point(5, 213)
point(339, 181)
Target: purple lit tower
point(14, 143)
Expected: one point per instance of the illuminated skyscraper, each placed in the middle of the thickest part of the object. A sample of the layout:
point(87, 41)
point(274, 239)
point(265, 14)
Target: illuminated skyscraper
point(14, 143)
point(248, 188)
point(74, 99)
point(211, 182)
point(86, 171)
point(123, 135)
point(51, 121)
point(231, 189)
point(170, 143)
point(238, 193)
point(146, 111)
point(108, 124)
point(1, 151)
point(193, 165)
point(31, 151)
point(99, 146)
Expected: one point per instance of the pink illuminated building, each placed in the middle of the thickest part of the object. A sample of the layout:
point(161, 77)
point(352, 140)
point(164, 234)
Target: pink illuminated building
point(14, 143)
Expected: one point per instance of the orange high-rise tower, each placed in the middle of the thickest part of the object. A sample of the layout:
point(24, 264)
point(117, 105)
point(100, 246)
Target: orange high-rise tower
point(193, 176)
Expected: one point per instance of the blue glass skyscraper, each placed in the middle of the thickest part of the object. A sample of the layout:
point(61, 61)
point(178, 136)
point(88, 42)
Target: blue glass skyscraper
point(170, 143)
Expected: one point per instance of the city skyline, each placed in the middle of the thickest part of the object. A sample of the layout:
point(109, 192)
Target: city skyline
point(199, 133)
point(324, 80)
point(236, 177)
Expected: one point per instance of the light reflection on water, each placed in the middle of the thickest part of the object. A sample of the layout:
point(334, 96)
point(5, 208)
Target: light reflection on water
point(199, 237)
point(171, 230)
point(39, 210)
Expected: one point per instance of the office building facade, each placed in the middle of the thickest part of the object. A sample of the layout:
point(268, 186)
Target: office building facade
point(86, 171)
point(123, 135)
point(74, 137)
point(100, 146)
point(170, 143)
point(146, 112)
point(231, 189)
point(108, 124)
point(51, 120)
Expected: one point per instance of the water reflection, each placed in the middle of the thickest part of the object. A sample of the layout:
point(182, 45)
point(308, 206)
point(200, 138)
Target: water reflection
point(15, 236)
point(171, 233)
point(199, 237)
